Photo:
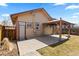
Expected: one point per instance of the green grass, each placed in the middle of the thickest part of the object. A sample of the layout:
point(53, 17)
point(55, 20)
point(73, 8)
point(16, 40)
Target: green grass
point(67, 48)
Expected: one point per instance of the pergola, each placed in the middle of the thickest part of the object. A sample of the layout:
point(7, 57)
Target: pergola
point(60, 23)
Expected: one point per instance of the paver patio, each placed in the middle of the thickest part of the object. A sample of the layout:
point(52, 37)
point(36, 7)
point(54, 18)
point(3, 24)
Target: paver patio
point(27, 47)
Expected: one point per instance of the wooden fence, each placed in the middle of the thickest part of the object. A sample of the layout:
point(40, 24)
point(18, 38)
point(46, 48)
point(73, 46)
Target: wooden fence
point(9, 32)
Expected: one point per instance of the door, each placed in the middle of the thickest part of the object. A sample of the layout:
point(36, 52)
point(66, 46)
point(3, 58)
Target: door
point(22, 31)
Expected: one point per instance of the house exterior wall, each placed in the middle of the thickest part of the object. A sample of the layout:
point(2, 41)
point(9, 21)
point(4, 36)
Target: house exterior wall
point(34, 18)
point(48, 30)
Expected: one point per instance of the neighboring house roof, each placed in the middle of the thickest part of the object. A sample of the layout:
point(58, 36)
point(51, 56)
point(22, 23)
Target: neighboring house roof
point(1, 25)
point(14, 16)
point(7, 26)
point(10, 27)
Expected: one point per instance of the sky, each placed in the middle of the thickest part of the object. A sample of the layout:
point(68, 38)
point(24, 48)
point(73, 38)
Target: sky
point(67, 11)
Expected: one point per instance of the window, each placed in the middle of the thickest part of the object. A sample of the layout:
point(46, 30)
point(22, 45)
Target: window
point(37, 26)
point(29, 25)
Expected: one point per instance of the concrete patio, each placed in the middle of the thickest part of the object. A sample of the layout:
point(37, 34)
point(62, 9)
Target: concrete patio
point(29, 47)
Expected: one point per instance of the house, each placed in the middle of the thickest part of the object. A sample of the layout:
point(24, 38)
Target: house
point(30, 23)
point(35, 22)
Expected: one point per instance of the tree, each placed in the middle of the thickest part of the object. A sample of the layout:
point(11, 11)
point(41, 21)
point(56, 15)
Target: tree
point(7, 21)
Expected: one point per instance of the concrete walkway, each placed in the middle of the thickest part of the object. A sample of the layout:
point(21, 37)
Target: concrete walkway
point(33, 53)
point(29, 47)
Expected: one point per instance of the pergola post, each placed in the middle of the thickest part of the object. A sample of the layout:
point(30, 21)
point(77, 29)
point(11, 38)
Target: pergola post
point(69, 30)
point(60, 29)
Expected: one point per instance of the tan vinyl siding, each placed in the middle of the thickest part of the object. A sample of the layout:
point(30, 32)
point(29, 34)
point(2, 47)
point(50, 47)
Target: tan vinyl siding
point(34, 17)
point(48, 30)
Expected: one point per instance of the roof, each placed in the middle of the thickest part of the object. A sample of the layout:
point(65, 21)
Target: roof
point(58, 22)
point(16, 14)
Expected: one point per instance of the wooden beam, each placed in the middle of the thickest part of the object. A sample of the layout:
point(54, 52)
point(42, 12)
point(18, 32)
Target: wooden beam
point(69, 30)
point(60, 30)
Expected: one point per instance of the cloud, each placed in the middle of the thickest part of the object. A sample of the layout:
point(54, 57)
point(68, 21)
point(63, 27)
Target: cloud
point(75, 21)
point(72, 7)
point(3, 4)
point(56, 4)
point(76, 13)
point(5, 15)
point(74, 16)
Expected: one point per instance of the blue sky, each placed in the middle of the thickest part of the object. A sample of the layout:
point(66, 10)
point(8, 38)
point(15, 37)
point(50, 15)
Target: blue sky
point(68, 11)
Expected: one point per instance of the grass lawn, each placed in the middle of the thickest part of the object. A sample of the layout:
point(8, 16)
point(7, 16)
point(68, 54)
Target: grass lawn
point(67, 48)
